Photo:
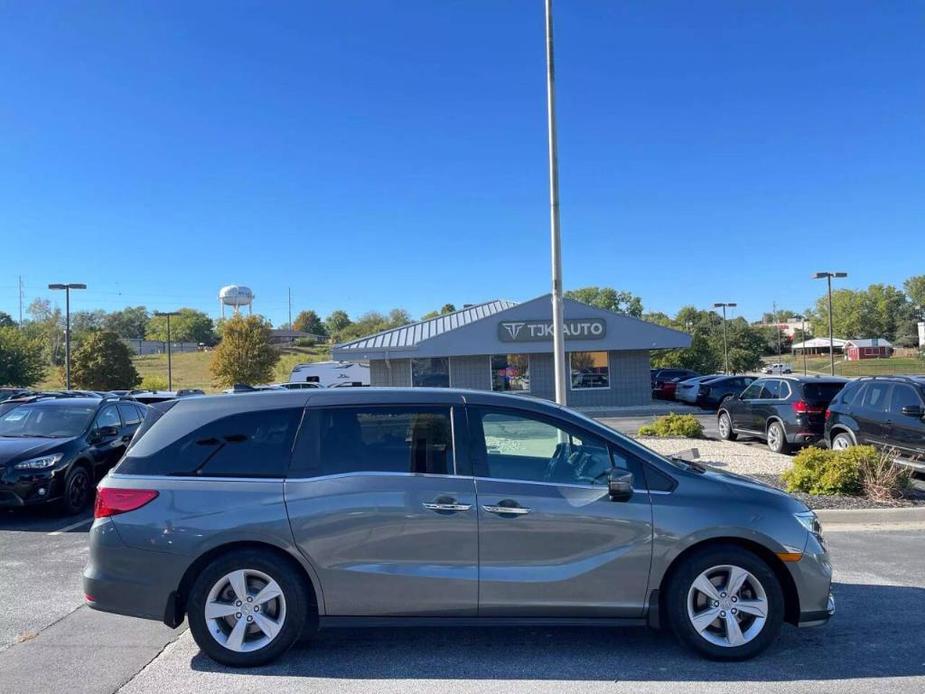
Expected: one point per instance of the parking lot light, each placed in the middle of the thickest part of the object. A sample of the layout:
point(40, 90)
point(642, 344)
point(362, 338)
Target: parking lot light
point(828, 277)
point(67, 326)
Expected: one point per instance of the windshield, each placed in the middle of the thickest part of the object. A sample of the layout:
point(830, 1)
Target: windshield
point(35, 420)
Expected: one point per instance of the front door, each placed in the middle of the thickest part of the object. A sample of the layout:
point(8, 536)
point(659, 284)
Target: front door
point(873, 413)
point(107, 450)
point(376, 507)
point(907, 431)
point(551, 541)
point(742, 410)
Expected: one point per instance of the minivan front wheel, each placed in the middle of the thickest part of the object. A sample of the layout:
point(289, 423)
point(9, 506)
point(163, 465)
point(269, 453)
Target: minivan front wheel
point(247, 608)
point(726, 603)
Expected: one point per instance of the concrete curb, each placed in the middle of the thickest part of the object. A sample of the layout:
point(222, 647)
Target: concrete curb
point(867, 516)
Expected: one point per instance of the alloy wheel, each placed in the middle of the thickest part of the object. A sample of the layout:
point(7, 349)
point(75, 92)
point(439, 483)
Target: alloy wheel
point(774, 437)
point(727, 606)
point(78, 489)
point(245, 610)
point(841, 442)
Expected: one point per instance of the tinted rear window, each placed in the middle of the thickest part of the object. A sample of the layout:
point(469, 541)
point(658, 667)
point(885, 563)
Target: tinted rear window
point(247, 444)
point(821, 392)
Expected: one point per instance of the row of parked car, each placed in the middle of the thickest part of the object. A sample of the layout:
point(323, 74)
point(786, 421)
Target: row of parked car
point(790, 411)
point(687, 386)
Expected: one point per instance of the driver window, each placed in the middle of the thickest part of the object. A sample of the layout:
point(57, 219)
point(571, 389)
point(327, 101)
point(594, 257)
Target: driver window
point(108, 418)
point(519, 447)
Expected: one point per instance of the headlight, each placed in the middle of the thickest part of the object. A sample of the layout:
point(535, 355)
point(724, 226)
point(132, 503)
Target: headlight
point(810, 521)
point(43, 463)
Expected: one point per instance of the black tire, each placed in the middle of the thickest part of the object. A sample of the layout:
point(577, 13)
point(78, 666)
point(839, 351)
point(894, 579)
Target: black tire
point(777, 439)
point(724, 423)
point(78, 490)
point(679, 588)
point(295, 595)
point(842, 440)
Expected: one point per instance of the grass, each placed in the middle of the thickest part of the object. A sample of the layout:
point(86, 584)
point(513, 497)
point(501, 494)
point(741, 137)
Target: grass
point(191, 369)
point(864, 367)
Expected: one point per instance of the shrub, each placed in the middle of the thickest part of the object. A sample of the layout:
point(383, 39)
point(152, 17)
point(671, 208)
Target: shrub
point(305, 342)
point(153, 383)
point(21, 359)
point(671, 424)
point(860, 470)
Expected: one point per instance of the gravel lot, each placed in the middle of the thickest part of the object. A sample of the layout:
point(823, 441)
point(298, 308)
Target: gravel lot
point(728, 455)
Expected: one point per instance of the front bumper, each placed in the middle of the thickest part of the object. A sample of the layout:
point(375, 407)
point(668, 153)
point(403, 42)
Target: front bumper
point(812, 578)
point(20, 488)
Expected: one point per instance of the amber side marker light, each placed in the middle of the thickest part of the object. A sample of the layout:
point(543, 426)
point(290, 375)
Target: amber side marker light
point(790, 556)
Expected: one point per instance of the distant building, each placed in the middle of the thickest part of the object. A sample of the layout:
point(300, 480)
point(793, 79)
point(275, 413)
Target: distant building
point(788, 328)
point(819, 345)
point(507, 347)
point(868, 348)
point(287, 337)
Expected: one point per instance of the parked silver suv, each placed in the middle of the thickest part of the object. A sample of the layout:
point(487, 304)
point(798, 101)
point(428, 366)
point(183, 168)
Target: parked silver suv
point(258, 515)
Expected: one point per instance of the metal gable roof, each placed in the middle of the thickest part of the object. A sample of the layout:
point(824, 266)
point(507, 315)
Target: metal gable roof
point(408, 336)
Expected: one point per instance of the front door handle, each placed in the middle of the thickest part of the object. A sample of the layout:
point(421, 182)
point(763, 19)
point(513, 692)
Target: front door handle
point(446, 506)
point(506, 510)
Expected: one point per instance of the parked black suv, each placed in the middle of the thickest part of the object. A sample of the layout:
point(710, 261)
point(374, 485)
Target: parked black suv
point(54, 450)
point(783, 410)
point(884, 411)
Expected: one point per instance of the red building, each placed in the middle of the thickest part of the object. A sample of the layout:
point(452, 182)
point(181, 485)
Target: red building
point(868, 348)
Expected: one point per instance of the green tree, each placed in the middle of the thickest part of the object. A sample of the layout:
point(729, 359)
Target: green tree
point(46, 327)
point(6, 320)
point(374, 322)
point(745, 343)
point(22, 362)
point(83, 322)
point(877, 311)
point(336, 322)
point(131, 322)
point(309, 322)
point(189, 326)
point(103, 362)
point(445, 309)
point(245, 354)
point(915, 289)
point(609, 299)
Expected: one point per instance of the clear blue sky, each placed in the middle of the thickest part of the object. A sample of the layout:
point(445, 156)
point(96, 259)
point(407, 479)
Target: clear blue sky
point(379, 154)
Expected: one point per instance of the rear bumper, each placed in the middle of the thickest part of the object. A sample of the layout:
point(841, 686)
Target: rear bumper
point(128, 581)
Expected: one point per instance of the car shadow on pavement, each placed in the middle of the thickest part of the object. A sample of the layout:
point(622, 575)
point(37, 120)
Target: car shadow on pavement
point(875, 633)
point(44, 519)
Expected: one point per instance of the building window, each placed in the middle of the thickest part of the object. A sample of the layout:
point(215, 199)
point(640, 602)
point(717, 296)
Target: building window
point(589, 370)
point(430, 373)
point(510, 373)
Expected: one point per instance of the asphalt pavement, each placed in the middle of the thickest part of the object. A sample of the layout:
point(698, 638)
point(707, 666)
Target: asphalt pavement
point(50, 643)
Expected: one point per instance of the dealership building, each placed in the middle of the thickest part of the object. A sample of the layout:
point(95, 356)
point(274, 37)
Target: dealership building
point(507, 347)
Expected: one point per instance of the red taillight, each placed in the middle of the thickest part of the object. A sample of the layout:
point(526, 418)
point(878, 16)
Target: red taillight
point(112, 502)
point(803, 407)
point(828, 413)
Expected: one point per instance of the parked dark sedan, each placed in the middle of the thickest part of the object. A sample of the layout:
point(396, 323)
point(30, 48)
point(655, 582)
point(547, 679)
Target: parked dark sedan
point(785, 411)
point(54, 450)
point(884, 411)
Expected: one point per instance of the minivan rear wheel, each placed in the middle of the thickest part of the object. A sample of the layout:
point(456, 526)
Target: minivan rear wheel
point(247, 608)
point(725, 603)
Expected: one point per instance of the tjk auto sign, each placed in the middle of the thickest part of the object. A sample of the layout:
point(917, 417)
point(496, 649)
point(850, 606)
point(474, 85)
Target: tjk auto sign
point(541, 330)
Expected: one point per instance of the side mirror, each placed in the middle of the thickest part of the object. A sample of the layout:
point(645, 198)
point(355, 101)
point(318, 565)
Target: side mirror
point(913, 411)
point(620, 484)
point(104, 434)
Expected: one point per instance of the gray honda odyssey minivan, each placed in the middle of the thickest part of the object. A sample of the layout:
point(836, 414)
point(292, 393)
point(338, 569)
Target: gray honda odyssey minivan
point(258, 516)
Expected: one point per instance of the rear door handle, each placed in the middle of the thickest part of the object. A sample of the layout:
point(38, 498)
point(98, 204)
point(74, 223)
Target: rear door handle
point(435, 506)
point(502, 510)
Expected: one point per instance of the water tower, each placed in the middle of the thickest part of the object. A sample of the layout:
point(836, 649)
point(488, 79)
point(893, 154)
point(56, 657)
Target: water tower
point(236, 296)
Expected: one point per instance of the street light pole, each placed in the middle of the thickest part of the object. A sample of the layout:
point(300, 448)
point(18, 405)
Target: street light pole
point(168, 314)
point(828, 277)
point(725, 348)
point(558, 334)
point(67, 326)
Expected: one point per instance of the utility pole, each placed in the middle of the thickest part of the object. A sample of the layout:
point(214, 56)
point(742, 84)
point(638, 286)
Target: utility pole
point(290, 308)
point(723, 305)
point(67, 327)
point(777, 328)
point(828, 276)
point(558, 322)
point(168, 314)
point(20, 302)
